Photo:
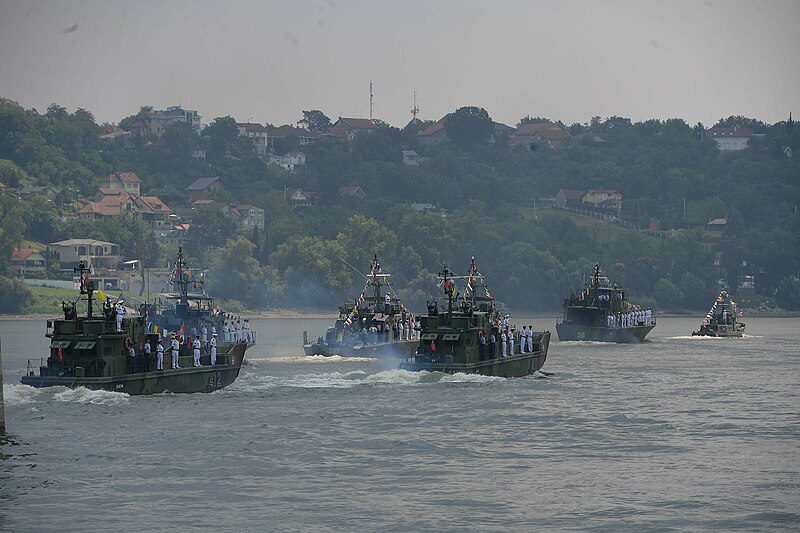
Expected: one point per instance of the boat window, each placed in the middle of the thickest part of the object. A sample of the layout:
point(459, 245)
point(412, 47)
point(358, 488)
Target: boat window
point(59, 344)
point(429, 336)
point(451, 336)
point(85, 345)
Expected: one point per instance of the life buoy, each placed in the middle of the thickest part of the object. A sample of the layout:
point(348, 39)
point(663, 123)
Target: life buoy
point(128, 343)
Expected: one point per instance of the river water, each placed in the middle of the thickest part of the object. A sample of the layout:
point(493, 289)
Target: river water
point(675, 434)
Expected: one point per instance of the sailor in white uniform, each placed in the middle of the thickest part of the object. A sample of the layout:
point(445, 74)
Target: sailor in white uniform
point(504, 343)
point(160, 355)
point(120, 313)
point(176, 349)
point(213, 348)
point(511, 341)
point(530, 338)
point(196, 348)
point(204, 336)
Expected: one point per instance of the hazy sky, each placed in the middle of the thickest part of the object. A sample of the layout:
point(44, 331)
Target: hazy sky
point(267, 61)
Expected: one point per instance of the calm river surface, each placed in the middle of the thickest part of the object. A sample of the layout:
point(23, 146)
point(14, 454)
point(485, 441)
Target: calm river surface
point(676, 434)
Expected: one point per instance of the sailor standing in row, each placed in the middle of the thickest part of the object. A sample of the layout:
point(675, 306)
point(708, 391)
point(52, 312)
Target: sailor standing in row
point(213, 348)
point(504, 343)
point(120, 310)
point(226, 334)
point(160, 355)
point(196, 348)
point(530, 338)
point(246, 330)
point(176, 348)
point(146, 349)
point(523, 339)
point(204, 336)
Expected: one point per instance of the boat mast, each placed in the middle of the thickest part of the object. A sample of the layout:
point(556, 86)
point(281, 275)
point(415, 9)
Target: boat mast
point(87, 286)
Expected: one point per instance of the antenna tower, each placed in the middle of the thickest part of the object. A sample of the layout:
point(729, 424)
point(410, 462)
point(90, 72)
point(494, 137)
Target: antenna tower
point(370, 99)
point(415, 109)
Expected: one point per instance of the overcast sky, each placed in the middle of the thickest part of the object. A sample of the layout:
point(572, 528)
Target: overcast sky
point(267, 61)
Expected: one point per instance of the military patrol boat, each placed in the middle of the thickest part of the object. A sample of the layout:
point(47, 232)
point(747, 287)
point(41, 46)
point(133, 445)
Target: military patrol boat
point(458, 339)
point(89, 351)
point(188, 308)
point(602, 313)
point(721, 320)
point(371, 326)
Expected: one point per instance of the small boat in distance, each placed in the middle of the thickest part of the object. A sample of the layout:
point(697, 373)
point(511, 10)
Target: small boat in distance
point(103, 351)
point(721, 320)
point(602, 313)
point(466, 336)
point(377, 324)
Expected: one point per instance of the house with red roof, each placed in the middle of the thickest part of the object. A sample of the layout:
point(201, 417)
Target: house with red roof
point(548, 134)
point(28, 261)
point(257, 133)
point(125, 181)
point(435, 133)
point(115, 202)
point(348, 128)
point(303, 136)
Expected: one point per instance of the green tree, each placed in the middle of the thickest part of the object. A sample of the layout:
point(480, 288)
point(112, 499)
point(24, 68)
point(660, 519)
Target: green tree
point(209, 228)
point(469, 126)
point(788, 293)
point(223, 137)
point(15, 295)
point(316, 121)
point(12, 228)
point(235, 273)
point(668, 295)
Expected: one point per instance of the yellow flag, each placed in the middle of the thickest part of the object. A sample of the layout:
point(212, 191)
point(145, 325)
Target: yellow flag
point(101, 295)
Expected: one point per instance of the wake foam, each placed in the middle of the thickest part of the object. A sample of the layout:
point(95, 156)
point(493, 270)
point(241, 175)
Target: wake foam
point(18, 394)
point(96, 397)
point(345, 380)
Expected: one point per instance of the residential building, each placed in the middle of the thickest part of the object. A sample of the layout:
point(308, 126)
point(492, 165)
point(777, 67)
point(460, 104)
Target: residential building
point(257, 133)
point(603, 198)
point(566, 197)
point(115, 202)
point(28, 261)
point(154, 123)
point(607, 199)
point(412, 158)
point(93, 252)
point(126, 181)
point(113, 133)
point(547, 134)
point(200, 188)
point(300, 198)
point(352, 190)
point(348, 128)
point(245, 216)
point(288, 161)
point(47, 192)
point(303, 137)
point(730, 139)
point(435, 133)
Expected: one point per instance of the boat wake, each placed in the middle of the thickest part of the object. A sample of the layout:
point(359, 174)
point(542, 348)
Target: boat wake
point(96, 397)
point(19, 394)
point(344, 380)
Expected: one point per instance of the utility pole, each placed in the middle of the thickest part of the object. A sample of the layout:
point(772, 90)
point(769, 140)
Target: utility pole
point(370, 99)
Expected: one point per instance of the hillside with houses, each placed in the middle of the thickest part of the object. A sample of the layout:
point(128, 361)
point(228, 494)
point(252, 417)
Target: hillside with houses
point(270, 213)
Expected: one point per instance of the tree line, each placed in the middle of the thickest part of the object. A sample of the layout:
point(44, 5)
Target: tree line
point(489, 201)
